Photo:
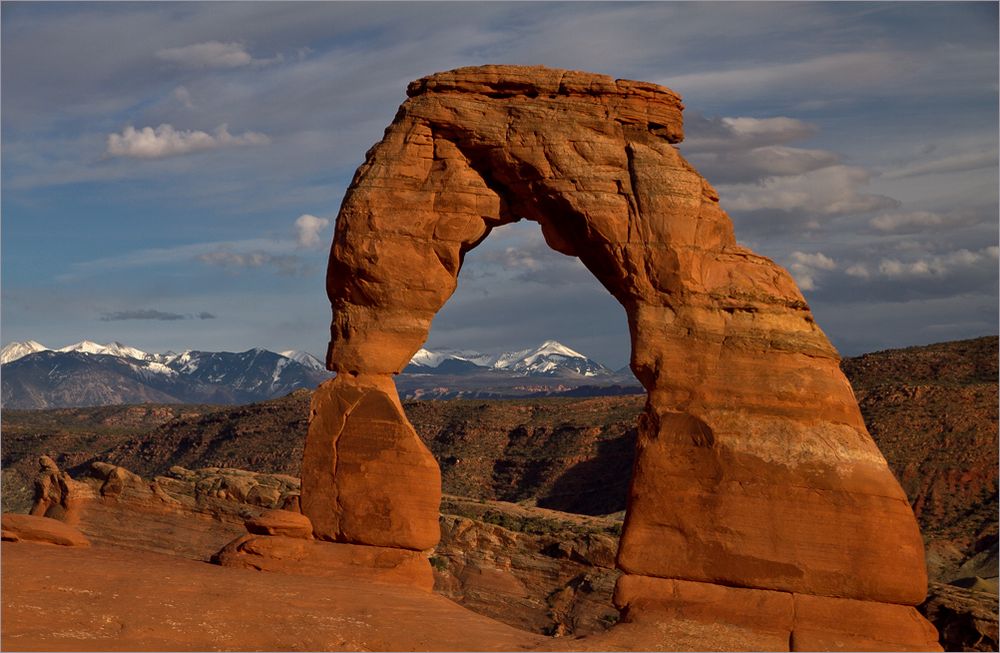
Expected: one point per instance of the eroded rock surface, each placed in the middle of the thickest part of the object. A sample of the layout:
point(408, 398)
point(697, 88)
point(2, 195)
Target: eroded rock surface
point(754, 468)
point(367, 478)
point(44, 530)
point(190, 513)
point(537, 570)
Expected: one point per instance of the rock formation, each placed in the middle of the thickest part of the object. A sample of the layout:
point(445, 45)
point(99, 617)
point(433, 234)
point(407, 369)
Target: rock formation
point(187, 513)
point(46, 530)
point(754, 468)
point(282, 541)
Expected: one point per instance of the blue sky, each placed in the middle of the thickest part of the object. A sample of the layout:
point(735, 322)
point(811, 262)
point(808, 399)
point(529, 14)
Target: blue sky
point(158, 159)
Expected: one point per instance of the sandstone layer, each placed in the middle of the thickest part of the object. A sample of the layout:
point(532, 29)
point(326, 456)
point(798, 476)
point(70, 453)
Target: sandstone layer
point(282, 541)
point(188, 513)
point(754, 468)
point(44, 530)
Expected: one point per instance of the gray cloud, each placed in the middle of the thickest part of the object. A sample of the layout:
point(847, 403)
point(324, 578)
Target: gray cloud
point(152, 314)
point(743, 150)
point(852, 69)
point(522, 255)
point(959, 162)
point(911, 222)
point(703, 134)
point(211, 54)
point(284, 263)
point(759, 163)
point(829, 191)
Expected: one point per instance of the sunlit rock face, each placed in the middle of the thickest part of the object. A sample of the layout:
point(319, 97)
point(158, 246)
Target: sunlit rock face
point(754, 468)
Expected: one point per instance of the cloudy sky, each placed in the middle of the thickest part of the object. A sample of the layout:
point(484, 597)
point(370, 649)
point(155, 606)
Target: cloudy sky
point(172, 172)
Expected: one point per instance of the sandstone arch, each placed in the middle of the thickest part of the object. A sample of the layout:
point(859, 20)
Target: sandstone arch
point(754, 468)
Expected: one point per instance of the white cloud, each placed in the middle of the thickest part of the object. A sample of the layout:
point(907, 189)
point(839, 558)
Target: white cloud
point(804, 267)
point(834, 190)
point(308, 228)
point(937, 266)
point(211, 54)
point(818, 260)
point(163, 141)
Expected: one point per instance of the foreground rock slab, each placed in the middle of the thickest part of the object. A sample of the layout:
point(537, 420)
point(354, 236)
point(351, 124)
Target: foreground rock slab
point(109, 599)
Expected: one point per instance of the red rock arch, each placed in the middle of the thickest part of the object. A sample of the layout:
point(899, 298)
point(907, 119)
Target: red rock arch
point(754, 467)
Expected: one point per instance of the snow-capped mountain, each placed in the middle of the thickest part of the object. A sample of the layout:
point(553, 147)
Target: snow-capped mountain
point(112, 349)
point(305, 358)
point(14, 350)
point(88, 373)
point(551, 358)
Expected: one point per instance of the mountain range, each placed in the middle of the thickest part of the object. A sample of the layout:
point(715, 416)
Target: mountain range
point(91, 374)
point(552, 359)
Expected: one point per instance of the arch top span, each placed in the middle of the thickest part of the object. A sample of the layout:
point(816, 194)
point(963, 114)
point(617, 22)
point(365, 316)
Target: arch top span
point(754, 468)
point(625, 101)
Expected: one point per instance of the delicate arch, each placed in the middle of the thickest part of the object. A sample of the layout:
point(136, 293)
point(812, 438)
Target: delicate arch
point(754, 467)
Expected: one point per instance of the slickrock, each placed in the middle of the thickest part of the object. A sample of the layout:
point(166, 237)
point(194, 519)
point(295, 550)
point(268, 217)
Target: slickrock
point(109, 599)
point(754, 468)
point(296, 556)
point(31, 528)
